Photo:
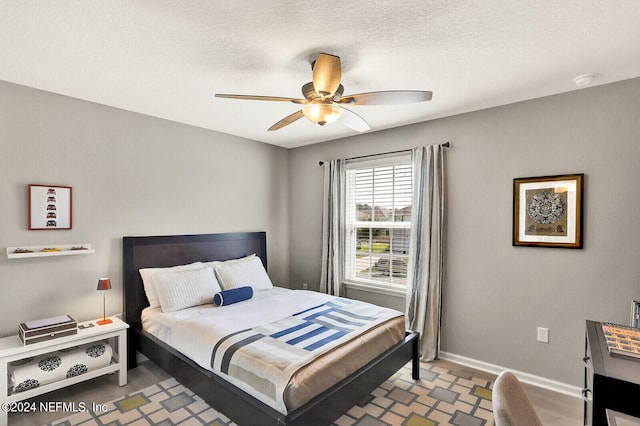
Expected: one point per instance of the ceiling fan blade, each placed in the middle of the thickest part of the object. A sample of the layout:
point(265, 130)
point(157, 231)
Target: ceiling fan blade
point(353, 121)
point(327, 73)
point(390, 97)
point(261, 98)
point(287, 120)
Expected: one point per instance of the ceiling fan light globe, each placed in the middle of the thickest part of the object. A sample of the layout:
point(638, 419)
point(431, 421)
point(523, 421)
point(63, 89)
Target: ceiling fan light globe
point(322, 113)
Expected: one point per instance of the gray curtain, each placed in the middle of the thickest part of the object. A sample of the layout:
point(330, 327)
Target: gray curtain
point(333, 238)
point(424, 284)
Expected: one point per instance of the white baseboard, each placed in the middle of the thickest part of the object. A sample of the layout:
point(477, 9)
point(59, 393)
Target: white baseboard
point(528, 378)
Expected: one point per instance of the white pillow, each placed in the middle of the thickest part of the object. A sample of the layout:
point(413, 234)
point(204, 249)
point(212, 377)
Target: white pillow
point(247, 271)
point(214, 263)
point(149, 286)
point(183, 289)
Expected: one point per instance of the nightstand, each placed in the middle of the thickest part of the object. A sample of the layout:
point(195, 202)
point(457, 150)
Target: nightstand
point(11, 349)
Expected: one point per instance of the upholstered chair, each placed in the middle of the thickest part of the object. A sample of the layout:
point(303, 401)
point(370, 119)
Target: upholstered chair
point(511, 407)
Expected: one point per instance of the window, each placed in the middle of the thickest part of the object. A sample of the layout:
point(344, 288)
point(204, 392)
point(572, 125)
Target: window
point(378, 209)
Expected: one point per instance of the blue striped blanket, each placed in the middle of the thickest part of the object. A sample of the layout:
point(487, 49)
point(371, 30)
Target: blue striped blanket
point(264, 358)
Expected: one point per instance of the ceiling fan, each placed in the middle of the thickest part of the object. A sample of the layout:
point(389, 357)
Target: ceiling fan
point(324, 101)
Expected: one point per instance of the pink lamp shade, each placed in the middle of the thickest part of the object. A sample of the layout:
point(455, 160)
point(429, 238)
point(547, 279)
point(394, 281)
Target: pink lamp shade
point(104, 284)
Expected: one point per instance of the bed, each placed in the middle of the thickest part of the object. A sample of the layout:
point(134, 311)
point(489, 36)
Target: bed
point(236, 403)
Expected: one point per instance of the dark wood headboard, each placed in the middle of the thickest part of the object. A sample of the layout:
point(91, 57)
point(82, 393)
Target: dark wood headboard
point(165, 251)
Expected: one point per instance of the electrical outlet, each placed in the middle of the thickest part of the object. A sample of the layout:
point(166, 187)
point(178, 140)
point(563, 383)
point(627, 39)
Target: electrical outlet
point(305, 286)
point(543, 335)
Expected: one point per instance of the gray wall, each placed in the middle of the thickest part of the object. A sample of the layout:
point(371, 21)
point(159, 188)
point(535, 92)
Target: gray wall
point(131, 175)
point(496, 295)
point(136, 175)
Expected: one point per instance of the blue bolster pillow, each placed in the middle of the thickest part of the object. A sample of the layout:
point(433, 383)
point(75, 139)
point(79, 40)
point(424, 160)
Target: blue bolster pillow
point(234, 295)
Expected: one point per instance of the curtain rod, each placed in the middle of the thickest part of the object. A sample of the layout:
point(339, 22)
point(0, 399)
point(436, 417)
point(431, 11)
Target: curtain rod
point(447, 144)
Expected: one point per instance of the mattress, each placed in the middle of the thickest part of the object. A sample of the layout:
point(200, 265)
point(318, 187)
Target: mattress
point(196, 330)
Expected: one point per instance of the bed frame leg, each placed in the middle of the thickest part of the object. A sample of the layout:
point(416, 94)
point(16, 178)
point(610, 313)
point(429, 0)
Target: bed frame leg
point(415, 361)
point(132, 344)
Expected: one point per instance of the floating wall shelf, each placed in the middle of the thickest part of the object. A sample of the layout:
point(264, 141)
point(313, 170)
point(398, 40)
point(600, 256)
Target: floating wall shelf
point(50, 250)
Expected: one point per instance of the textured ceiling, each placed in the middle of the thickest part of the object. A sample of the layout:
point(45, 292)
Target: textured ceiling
point(168, 58)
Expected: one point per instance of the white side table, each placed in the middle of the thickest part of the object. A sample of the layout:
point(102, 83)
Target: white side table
point(11, 349)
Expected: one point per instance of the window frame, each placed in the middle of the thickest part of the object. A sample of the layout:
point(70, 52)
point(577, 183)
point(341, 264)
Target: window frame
point(351, 224)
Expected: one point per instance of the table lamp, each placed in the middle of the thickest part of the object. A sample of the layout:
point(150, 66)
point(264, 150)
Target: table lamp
point(104, 284)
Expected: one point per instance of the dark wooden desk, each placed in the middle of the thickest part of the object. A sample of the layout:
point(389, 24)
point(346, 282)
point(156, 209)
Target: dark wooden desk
point(610, 381)
point(618, 419)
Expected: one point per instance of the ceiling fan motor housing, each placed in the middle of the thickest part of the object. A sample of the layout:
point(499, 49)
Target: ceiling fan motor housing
point(309, 92)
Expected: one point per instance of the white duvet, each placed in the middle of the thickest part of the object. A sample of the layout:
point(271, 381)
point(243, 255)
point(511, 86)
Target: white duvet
point(191, 331)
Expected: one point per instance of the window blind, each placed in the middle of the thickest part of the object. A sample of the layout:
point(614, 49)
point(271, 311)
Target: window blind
point(378, 208)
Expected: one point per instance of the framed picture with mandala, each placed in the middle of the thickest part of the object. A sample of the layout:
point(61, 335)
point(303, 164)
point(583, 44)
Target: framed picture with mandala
point(547, 211)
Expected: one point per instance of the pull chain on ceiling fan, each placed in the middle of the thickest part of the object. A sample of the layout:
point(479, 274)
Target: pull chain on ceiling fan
point(323, 100)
